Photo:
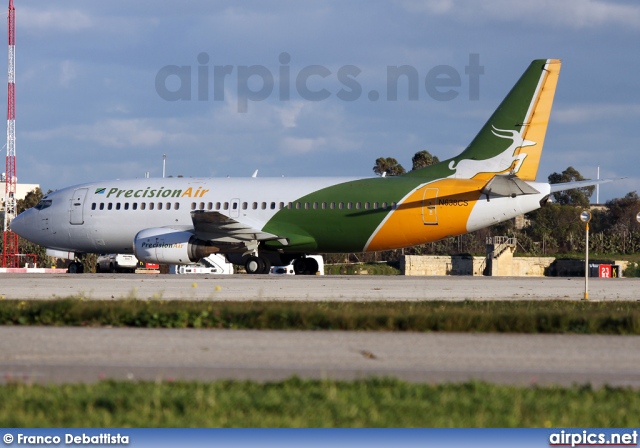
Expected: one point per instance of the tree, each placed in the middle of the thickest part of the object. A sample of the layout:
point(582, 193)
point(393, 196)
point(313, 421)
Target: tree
point(30, 200)
point(423, 159)
point(577, 196)
point(388, 166)
point(623, 211)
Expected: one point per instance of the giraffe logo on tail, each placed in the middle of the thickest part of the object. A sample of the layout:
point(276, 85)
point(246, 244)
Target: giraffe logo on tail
point(468, 168)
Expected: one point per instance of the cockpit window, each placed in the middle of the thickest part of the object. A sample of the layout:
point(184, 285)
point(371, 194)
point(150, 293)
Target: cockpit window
point(44, 203)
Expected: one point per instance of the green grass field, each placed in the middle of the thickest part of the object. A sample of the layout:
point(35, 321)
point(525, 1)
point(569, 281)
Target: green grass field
point(576, 317)
point(314, 403)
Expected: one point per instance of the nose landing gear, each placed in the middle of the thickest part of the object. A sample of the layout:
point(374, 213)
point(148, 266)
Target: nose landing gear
point(75, 267)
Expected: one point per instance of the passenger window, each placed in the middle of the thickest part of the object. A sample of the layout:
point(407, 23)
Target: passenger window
point(93, 206)
point(358, 205)
point(375, 205)
point(217, 206)
point(315, 206)
point(332, 206)
point(349, 205)
point(306, 206)
point(384, 206)
point(143, 205)
point(126, 206)
point(341, 205)
point(202, 206)
point(176, 206)
point(234, 205)
point(209, 205)
point(324, 206)
point(394, 205)
point(273, 206)
point(264, 206)
point(254, 206)
point(135, 206)
point(118, 206)
point(168, 206)
point(226, 206)
point(150, 205)
point(298, 205)
point(110, 206)
point(367, 205)
point(193, 206)
point(159, 205)
point(244, 206)
point(281, 205)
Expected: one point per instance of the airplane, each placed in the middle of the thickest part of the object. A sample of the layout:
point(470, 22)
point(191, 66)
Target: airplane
point(258, 222)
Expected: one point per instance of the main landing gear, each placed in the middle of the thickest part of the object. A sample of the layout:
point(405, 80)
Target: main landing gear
point(257, 265)
point(262, 265)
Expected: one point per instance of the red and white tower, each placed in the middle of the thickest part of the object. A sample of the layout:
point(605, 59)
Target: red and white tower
point(10, 248)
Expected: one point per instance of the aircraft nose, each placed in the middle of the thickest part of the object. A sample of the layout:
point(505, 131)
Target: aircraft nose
point(23, 224)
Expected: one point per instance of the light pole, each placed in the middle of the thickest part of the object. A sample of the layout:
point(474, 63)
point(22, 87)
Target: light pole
point(585, 217)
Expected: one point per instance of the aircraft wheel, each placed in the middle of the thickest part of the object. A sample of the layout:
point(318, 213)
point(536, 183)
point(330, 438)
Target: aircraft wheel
point(300, 266)
point(266, 265)
point(112, 268)
point(254, 265)
point(75, 268)
point(305, 266)
point(312, 266)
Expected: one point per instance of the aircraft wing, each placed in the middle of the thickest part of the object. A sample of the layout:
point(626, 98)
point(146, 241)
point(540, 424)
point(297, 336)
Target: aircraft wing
point(580, 184)
point(214, 226)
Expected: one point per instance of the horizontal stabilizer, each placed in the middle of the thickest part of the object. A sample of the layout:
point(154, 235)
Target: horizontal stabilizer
point(580, 184)
point(507, 185)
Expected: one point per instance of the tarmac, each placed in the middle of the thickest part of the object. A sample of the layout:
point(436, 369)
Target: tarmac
point(77, 354)
point(310, 288)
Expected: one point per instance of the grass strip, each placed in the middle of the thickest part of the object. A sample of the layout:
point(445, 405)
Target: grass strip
point(620, 318)
point(314, 403)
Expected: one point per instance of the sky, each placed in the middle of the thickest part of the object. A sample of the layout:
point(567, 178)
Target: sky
point(104, 89)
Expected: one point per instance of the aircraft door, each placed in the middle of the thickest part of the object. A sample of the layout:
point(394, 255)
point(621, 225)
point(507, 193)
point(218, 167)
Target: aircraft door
point(234, 208)
point(76, 216)
point(430, 206)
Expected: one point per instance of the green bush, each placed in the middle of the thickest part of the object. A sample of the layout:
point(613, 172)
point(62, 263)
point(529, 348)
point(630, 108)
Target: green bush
point(633, 270)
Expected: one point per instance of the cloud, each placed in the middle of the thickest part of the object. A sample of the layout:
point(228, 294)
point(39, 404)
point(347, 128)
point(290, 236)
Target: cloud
point(68, 73)
point(65, 21)
point(118, 133)
point(585, 113)
point(289, 115)
point(572, 13)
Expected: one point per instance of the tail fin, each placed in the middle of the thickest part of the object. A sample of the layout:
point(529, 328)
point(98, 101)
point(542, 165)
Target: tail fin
point(512, 139)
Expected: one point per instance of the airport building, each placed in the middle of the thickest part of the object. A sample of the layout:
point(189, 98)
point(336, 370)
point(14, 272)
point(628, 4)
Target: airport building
point(21, 191)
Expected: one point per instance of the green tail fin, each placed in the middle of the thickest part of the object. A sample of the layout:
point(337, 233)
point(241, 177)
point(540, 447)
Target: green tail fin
point(511, 141)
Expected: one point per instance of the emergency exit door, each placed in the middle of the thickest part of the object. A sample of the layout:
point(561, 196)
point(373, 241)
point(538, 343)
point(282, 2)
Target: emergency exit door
point(76, 215)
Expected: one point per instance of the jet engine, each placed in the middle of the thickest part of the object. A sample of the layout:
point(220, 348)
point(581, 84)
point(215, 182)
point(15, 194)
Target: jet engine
point(162, 245)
